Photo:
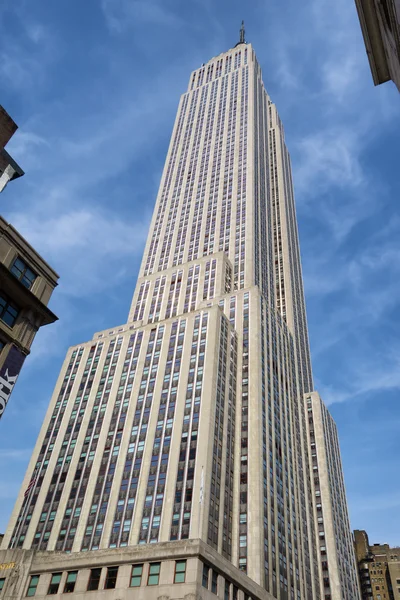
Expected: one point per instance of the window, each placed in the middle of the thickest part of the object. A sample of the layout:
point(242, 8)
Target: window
point(206, 572)
point(111, 578)
point(137, 572)
point(22, 272)
point(154, 574)
point(227, 586)
point(54, 584)
point(94, 579)
point(2, 580)
point(180, 571)
point(70, 583)
point(8, 311)
point(214, 582)
point(2, 344)
point(234, 593)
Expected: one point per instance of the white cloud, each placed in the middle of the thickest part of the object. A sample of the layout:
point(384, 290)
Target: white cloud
point(17, 70)
point(326, 158)
point(23, 146)
point(15, 454)
point(84, 245)
point(375, 374)
point(122, 14)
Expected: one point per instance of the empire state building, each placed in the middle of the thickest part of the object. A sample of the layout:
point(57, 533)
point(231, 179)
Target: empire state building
point(185, 453)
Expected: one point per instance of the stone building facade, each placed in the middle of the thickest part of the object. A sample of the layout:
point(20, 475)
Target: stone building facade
point(26, 283)
point(380, 25)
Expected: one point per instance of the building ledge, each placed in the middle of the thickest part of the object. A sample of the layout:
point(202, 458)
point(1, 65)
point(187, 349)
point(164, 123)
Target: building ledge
point(370, 27)
point(24, 297)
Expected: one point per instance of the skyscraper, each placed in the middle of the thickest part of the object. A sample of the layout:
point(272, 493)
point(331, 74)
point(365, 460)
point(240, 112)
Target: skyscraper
point(188, 422)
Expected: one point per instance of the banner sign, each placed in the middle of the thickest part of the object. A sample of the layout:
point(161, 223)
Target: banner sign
point(9, 374)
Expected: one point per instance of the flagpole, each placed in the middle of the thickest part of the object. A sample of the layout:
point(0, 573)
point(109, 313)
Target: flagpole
point(201, 502)
point(28, 499)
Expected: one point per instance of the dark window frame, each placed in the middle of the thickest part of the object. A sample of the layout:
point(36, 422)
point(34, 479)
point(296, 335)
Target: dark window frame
point(205, 581)
point(92, 579)
point(150, 574)
point(111, 578)
point(52, 585)
point(4, 310)
point(20, 272)
point(214, 582)
point(68, 588)
point(180, 572)
point(137, 566)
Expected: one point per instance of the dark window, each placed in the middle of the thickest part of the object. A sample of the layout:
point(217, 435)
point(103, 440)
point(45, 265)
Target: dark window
point(214, 582)
point(2, 344)
point(234, 592)
point(180, 571)
point(154, 573)
point(206, 572)
point(8, 311)
point(70, 583)
point(137, 572)
point(94, 579)
point(2, 580)
point(22, 272)
point(227, 586)
point(54, 584)
point(111, 578)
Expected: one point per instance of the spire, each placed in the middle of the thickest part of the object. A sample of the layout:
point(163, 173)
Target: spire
point(242, 40)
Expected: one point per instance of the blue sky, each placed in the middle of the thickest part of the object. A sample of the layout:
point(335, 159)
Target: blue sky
point(94, 87)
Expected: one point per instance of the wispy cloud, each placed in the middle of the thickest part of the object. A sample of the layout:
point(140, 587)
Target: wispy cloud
point(85, 245)
point(15, 454)
point(122, 14)
point(375, 375)
point(327, 158)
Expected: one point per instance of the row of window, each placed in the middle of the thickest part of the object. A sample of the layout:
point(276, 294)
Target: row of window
point(210, 582)
point(110, 582)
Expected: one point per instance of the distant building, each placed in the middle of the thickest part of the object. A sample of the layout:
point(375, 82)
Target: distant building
point(379, 569)
point(380, 25)
point(26, 283)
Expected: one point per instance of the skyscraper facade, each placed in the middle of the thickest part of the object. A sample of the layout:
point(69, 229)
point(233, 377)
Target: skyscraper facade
point(338, 566)
point(188, 421)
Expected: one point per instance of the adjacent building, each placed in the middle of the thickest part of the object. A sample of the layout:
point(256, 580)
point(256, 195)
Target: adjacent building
point(175, 454)
point(379, 568)
point(26, 283)
point(9, 169)
point(380, 25)
point(338, 567)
